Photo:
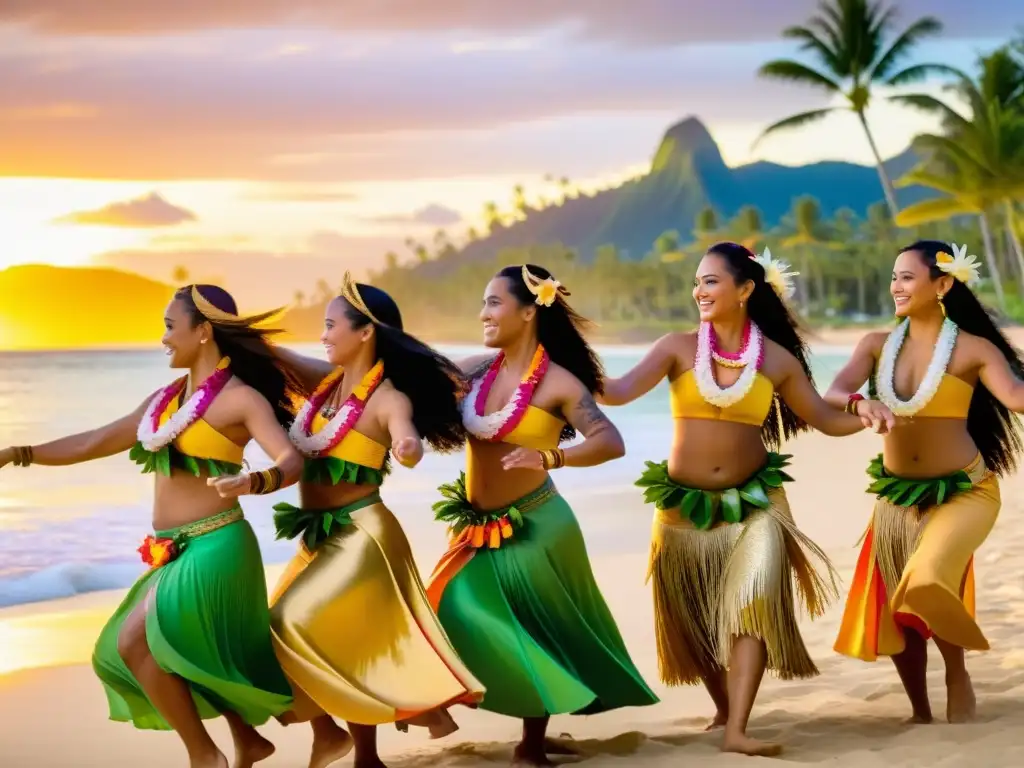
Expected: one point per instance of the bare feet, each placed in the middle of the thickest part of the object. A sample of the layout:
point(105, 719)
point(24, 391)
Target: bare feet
point(719, 721)
point(745, 745)
point(524, 756)
point(213, 760)
point(916, 719)
point(372, 762)
point(961, 705)
point(250, 749)
point(330, 747)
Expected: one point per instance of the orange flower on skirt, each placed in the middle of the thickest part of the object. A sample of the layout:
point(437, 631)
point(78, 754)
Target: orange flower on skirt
point(157, 552)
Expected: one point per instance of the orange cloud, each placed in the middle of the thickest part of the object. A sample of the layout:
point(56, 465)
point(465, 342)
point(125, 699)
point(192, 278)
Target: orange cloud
point(45, 112)
point(143, 212)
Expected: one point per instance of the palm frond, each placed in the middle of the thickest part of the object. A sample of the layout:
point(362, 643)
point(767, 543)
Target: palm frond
point(939, 209)
point(918, 72)
point(902, 45)
point(926, 103)
point(795, 72)
point(809, 41)
point(795, 121)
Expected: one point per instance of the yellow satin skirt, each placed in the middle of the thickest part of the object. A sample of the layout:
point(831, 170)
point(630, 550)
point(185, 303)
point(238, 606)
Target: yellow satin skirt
point(916, 571)
point(355, 634)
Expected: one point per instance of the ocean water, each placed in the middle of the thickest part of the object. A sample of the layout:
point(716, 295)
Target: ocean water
point(70, 530)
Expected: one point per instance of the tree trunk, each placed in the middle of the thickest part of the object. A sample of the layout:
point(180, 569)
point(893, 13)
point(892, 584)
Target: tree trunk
point(990, 258)
point(862, 288)
point(890, 193)
point(1011, 232)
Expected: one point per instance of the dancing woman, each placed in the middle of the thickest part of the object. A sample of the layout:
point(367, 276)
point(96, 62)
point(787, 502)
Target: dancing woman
point(191, 640)
point(351, 624)
point(725, 550)
point(952, 379)
point(515, 592)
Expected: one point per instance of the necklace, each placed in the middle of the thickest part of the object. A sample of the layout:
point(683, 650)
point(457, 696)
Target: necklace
point(494, 426)
point(886, 375)
point(341, 421)
point(730, 359)
point(750, 359)
point(155, 436)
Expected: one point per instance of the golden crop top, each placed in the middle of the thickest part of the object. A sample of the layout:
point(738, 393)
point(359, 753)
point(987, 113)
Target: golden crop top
point(951, 400)
point(538, 429)
point(686, 402)
point(355, 447)
point(201, 441)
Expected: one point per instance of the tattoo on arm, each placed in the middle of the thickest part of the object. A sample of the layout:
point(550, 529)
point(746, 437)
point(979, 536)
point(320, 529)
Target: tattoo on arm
point(587, 417)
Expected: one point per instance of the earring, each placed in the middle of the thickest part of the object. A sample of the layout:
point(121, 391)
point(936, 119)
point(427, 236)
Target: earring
point(202, 341)
point(942, 306)
point(741, 305)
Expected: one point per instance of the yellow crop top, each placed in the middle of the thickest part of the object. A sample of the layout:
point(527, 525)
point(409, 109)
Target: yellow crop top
point(686, 402)
point(538, 429)
point(355, 447)
point(951, 400)
point(201, 441)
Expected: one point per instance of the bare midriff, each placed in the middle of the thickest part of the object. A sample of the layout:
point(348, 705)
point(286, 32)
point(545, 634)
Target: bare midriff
point(488, 484)
point(183, 498)
point(926, 447)
point(713, 454)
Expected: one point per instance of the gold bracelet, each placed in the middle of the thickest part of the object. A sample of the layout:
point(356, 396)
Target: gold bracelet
point(22, 455)
point(265, 481)
point(552, 459)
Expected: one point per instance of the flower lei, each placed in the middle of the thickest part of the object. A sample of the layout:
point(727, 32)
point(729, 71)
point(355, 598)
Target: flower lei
point(886, 374)
point(730, 359)
point(312, 445)
point(750, 357)
point(152, 435)
point(495, 426)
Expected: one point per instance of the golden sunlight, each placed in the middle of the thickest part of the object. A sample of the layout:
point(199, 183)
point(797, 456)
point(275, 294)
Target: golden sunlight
point(49, 639)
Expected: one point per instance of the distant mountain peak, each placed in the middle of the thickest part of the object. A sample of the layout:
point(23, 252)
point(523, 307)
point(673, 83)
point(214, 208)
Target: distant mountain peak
point(689, 137)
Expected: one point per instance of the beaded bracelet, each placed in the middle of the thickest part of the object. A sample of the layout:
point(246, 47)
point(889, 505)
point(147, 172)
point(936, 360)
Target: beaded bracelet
point(265, 481)
point(851, 403)
point(552, 459)
point(22, 455)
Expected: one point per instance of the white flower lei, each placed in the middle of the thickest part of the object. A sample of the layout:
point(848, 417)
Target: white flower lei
point(484, 427)
point(311, 445)
point(168, 432)
point(705, 374)
point(886, 375)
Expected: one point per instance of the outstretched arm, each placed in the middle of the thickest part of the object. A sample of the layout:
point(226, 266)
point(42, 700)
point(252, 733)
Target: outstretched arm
point(644, 376)
point(115, 437)
point(851, 378)
point(406, 444)
point(995, 373)
point(798, 392)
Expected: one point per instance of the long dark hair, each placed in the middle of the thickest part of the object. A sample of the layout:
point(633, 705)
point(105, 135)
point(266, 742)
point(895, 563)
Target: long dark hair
point(994, 428)
point(253, 359)
point(770, 313)
point(428, 378)
point(560, 330)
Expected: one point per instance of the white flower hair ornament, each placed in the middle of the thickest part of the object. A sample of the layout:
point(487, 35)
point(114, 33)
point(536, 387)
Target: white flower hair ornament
point(966, 269)
point(776, 274)
point(545, 290)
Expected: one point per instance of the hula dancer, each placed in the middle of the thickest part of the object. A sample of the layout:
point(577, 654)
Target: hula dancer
point(191, 640)
point(726, 553)
point(952, 379)
point(352, 627)
point(515, 592)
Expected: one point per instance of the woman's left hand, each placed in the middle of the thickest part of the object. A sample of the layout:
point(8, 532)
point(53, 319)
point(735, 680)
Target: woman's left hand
point(523, 458)
point(231, 486)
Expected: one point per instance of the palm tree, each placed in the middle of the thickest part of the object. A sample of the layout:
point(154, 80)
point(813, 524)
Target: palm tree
point(847, 37)
point(806, 234)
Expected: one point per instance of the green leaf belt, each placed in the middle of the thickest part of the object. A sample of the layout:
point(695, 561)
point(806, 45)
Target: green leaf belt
point(907, 492)
point(169, 457)
point(705, 508)
point(316, 525)
point(329, 470)
point(456, 510)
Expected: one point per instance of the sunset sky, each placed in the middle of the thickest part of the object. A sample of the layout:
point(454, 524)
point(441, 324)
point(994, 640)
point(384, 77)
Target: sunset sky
point(227, 136)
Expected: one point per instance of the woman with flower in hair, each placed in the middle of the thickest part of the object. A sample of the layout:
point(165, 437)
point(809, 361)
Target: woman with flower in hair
point(954, 382)
point(192, 638)
point(515, 591)
point(351, 624)
point(725, 550)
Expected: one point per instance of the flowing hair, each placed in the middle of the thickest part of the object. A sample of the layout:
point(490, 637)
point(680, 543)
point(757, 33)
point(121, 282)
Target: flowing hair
point(430, 380)
point(770, 313)
point(560, 330)
point(994, 428)
point(253, 357)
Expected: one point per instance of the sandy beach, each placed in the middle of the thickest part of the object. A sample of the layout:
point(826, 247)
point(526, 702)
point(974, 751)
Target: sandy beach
point(54, 713)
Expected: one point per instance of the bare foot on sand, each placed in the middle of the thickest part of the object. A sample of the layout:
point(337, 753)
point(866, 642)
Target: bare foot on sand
point(330, 749)
point(251, 749)
point(524, 756)
point(915, 719)
point(745, 745)
point(216, 760)
point(961, 705)
point(372, 762)
point(719, 721)
point(558, 747)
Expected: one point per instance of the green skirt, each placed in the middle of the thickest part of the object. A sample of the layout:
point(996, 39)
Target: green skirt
point(208, 622)
point(524, 613)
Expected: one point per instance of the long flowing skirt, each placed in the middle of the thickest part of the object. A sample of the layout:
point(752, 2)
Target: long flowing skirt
point(916, 571)
point(207, 622)
point(528, 619)
point(354, 632)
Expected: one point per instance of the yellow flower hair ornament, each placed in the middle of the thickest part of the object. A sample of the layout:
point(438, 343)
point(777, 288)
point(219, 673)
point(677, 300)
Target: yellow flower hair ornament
point(776, 274)
point(545, 290)
point(966, 269)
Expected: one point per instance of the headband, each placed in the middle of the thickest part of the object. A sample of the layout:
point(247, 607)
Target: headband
point(350, 293)
point(220, 317)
